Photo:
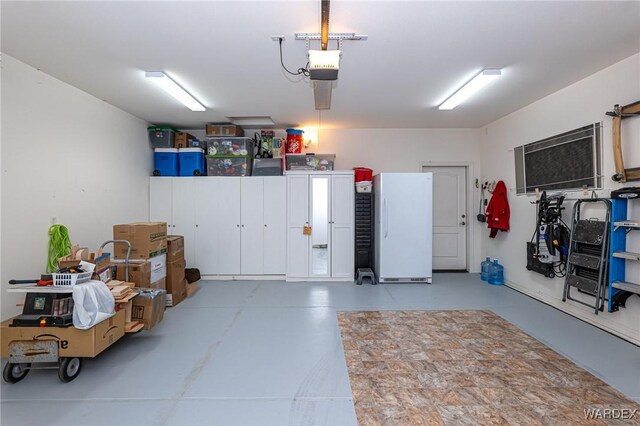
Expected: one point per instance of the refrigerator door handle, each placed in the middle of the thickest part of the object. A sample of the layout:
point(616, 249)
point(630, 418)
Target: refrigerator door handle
point(386, 218)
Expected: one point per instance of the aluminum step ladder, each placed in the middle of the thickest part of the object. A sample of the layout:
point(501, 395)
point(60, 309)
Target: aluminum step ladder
point(588, 259)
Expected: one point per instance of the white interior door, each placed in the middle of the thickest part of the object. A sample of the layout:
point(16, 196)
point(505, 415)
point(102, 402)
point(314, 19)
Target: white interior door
point(206, 239)
point(297, 218)
point(450, 217)
point(184, 214)
point(252, 226)
point(275, 225)
point(160, 200)
point(228, 222)
point(342, 230)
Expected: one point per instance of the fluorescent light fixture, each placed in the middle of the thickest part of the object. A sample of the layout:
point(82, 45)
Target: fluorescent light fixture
point(253, 121)
point(172, 88)
point(486, 76)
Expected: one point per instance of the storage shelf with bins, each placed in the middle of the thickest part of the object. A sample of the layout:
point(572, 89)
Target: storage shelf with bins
point(621, 226)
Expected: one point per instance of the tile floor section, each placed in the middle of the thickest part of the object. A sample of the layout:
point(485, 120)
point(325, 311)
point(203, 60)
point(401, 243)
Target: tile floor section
point(270, 353)
point(464, 367)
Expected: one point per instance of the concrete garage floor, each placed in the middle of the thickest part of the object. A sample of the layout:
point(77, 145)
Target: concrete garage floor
point(269, 353)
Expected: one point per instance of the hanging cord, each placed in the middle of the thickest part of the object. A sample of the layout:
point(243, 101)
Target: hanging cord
point(301, 71)
point(59, 246)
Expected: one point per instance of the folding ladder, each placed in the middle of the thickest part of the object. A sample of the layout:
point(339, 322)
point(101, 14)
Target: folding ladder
point(588, 259)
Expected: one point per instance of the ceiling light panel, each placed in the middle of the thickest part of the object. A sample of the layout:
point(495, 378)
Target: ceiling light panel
point(173, 89)
point(485, 77)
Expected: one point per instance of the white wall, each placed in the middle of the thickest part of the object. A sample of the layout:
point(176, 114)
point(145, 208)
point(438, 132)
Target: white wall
point(407, 150)
point(582, 103)
point(65, 155)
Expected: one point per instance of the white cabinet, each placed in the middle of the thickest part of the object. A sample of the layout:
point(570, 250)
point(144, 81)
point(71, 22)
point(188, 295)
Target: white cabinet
point(252, 226)
point(275, 225)
point(231, 225)
point(207, 241)
point(298, 244)
point(342, 226)
point(227, 220)
point(323, 204)
point(173, 201)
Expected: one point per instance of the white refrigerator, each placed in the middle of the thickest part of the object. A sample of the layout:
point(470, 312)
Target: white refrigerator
point(403, 227)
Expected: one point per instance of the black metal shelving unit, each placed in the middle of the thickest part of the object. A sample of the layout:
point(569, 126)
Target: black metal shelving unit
point(364, 222)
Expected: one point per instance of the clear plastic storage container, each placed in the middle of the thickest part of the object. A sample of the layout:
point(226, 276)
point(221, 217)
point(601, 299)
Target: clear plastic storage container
point(228, 166)
point(267, 167)
point(161, 137)
point(230, 146)
point(320, 162)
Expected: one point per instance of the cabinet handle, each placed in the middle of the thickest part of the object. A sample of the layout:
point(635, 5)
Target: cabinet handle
point(265, 225)
point(196, 226)
point(243, 226)
point(237, 226)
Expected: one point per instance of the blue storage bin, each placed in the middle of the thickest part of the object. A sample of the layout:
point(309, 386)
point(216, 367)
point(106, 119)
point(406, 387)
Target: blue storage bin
point(165, 162)
point(191, 161)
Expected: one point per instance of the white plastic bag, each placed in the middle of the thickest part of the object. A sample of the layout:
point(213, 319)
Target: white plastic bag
point(93, 303)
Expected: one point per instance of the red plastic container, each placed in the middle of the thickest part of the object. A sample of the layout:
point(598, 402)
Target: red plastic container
point(363, 174)
point(294, 141)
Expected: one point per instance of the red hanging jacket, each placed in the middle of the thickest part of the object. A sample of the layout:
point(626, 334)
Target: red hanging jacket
point(498, 210)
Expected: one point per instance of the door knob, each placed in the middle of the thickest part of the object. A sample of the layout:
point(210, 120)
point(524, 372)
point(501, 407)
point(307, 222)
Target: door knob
point(463, 223)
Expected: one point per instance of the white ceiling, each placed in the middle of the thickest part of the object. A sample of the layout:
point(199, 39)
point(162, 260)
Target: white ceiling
point(418, 52)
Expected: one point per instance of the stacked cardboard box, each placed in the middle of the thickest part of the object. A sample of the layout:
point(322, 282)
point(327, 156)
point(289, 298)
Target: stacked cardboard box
point(147, 307)
point(148, 239)
point(148, 259)
point(176, 282)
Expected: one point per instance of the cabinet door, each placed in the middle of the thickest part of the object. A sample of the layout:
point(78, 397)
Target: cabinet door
point(160, 200)
point(297, 218)
point(251, 226)
point(206, 238)
point(228, 223)
point(320, 213)
point(275, 225)
point(342, 229)
point(183, 214)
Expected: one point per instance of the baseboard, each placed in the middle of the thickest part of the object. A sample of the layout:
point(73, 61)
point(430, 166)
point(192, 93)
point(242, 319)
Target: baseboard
point(319, 280)
point(243, 277)
point(577, 312)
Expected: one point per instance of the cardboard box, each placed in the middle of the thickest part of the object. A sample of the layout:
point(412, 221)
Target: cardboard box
point(175, 248)
point(213, 129)
point(72, 342)
point(143, 272)
point(101, 261)
point(148, 239)
point(159, 285)
point(148, 307)
point(192, 288)
point(176, 283)
point(182, 140)
point(139, 272)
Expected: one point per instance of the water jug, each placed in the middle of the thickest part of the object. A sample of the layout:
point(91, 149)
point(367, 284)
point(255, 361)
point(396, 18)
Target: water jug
point(484, 269)
point(496, 273)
